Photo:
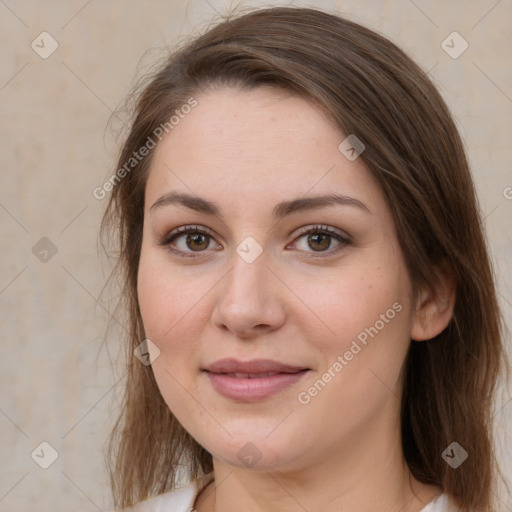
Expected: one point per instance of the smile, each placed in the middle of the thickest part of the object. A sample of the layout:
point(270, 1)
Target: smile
point(252, 380)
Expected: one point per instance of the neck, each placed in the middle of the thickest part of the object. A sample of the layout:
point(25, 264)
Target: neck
point(364, 475)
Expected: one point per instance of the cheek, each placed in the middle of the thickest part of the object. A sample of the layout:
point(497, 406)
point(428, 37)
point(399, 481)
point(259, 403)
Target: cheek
point(168, 304)
point(365, 313)
point(174, 307)
point(168, 298)
point(353, 301)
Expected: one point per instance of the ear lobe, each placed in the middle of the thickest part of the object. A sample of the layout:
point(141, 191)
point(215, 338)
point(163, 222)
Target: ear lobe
point(434, 308)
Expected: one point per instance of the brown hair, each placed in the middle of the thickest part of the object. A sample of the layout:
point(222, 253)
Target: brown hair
point(370, 88)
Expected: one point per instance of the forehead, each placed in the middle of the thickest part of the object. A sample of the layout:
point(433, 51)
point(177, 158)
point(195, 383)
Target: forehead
point(261, 144)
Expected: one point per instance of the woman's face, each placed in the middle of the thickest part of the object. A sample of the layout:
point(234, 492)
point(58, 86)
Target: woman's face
point(282, 306)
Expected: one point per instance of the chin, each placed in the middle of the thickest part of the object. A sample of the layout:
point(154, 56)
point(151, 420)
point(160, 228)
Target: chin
point(256, 451)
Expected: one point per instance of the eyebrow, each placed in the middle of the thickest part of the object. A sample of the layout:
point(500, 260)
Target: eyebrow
point(280, 210)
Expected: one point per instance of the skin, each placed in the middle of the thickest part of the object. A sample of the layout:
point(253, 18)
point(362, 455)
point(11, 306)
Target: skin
point(246, 152)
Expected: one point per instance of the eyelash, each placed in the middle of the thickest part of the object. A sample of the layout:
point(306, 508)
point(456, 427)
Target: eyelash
point(169, 238)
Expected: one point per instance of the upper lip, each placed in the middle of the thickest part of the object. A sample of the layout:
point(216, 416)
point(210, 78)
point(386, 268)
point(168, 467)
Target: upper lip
point(230, 365)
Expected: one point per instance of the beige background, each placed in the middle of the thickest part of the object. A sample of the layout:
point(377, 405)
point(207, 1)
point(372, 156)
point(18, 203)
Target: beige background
point(57, 382)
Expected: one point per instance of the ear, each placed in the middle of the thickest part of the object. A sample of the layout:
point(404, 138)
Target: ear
point(434, 308)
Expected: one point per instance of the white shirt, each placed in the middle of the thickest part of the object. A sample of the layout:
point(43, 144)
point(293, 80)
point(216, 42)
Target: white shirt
point(183, 498)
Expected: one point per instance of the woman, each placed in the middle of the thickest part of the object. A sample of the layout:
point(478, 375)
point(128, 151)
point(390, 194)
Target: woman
point(310, 298)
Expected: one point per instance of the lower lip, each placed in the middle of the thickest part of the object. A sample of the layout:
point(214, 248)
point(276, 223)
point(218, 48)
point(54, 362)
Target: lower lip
point(251, 390)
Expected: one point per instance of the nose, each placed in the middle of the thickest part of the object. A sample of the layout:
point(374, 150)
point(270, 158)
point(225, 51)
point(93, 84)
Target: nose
point(250, 300)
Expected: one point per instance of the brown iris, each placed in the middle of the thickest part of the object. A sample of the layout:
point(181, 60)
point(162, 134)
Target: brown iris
point(320, 240)
point(197, 241)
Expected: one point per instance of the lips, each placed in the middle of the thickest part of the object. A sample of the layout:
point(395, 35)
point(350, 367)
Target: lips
point(255, 367)
point(250, 381)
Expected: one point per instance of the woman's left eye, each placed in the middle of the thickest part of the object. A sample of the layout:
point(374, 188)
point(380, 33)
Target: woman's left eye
point(319, 239)
point(187, 240)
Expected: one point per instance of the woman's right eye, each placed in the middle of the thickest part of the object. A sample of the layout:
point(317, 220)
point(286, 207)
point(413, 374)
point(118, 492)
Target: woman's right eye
point(187, 240)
